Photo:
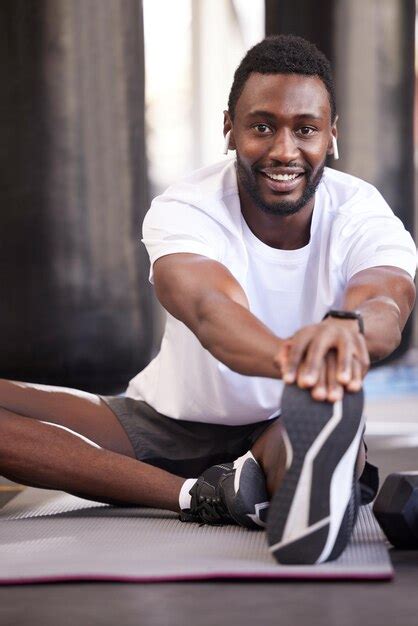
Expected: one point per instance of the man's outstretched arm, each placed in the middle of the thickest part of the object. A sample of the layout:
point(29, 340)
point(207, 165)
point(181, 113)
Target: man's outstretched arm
point(326, 356)
point(205, 296)
point(385, 297)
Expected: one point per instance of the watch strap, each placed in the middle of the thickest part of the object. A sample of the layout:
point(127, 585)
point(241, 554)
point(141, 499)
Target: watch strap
point(347, 315)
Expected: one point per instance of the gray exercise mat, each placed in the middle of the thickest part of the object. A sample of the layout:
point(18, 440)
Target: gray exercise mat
point(48, 536)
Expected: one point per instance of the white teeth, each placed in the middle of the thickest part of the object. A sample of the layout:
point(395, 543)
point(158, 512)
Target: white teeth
point(281, 176)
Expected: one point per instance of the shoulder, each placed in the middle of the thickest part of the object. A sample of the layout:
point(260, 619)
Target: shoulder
point(199, 198)
point(364, 229)
point(350, 196)
point(202, 185)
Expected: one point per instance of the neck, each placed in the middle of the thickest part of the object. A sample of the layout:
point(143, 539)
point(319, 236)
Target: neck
point(287, 232)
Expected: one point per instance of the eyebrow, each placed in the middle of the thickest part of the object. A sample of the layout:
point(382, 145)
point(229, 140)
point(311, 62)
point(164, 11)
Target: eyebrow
point(269, 114)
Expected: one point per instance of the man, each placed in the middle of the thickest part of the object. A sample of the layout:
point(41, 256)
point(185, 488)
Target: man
point(272, 270)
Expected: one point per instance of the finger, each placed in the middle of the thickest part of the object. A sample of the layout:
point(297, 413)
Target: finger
point(334, 389)
point(346, 348)
point(356, 381)
point(319, 391)
point(294, 357)
point(280, 359)
point(315, 357)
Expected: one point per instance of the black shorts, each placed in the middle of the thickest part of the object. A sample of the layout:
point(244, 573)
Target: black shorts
point(188, 448)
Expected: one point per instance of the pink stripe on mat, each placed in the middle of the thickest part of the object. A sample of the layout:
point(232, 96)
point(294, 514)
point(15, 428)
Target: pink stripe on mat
point(372, 576)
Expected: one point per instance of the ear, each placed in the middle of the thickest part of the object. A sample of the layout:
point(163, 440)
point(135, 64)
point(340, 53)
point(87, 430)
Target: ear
point(334, 133)
point(229, 126)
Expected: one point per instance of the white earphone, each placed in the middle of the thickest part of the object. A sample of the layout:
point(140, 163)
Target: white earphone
point(335, 148)
point(226, 143)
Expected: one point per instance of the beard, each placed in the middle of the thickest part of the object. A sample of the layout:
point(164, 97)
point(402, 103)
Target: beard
point(248, 179)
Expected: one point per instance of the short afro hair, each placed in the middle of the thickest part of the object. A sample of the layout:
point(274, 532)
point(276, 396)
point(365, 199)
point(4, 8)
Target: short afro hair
point(283, 54)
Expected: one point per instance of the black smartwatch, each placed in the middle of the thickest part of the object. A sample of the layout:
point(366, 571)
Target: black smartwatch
point(347, 315)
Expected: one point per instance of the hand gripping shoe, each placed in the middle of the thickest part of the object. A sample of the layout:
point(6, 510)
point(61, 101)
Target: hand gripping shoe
point(230, 493)
point(312, 513)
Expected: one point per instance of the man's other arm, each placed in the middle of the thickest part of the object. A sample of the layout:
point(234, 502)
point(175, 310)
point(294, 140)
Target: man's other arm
point(205, 296)
point(385, 297)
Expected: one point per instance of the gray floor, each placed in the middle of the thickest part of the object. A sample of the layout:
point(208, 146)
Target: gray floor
point(393, 442)
point(207, 604)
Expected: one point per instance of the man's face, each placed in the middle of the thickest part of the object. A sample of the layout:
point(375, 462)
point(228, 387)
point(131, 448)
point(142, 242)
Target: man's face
point(282, 133)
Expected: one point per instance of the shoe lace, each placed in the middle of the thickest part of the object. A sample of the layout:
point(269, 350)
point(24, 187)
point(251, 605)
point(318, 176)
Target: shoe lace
point(211, 510)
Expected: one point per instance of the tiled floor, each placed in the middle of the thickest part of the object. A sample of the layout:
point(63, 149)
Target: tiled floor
point(392, 415)
point(394, 380)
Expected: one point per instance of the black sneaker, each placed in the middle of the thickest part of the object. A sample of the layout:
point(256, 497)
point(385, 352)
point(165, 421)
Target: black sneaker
point(230, 493)
point(312, 513)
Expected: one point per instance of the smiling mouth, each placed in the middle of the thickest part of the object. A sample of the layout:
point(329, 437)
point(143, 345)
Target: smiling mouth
point(282, 183)
point(282, 177)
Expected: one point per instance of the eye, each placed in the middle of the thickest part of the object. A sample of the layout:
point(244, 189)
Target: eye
point(307, 130)
point(262, 129)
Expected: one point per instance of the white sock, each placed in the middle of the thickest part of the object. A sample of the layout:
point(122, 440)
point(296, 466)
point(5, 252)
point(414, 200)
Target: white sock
point(241, 459)
point(184, 497)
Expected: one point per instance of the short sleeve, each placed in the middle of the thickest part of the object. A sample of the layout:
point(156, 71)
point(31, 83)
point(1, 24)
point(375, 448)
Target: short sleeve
point(171, 226)
point(375, 236)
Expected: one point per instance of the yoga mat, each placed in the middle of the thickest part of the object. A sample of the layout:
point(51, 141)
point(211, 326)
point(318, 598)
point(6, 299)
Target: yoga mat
point(48, 536)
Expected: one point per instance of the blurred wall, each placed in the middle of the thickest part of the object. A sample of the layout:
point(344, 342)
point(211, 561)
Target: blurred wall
point(188, 78)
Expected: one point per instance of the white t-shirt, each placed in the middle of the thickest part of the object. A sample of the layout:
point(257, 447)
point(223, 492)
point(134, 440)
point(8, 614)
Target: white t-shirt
point(352, 229)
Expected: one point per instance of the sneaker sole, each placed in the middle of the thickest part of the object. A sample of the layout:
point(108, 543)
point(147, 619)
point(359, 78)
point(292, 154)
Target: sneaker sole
point(349, 521)
point(307, 511)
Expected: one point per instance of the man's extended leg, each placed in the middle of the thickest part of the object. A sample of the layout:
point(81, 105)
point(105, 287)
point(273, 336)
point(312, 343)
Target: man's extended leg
point(38, 454)
point(270, 452)
point(312, 513)
point(308, 470)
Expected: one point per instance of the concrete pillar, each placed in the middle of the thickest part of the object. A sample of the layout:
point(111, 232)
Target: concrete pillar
point(75, 302)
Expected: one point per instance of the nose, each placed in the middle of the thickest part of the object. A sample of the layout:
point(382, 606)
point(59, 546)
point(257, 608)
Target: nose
point(284, 147)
